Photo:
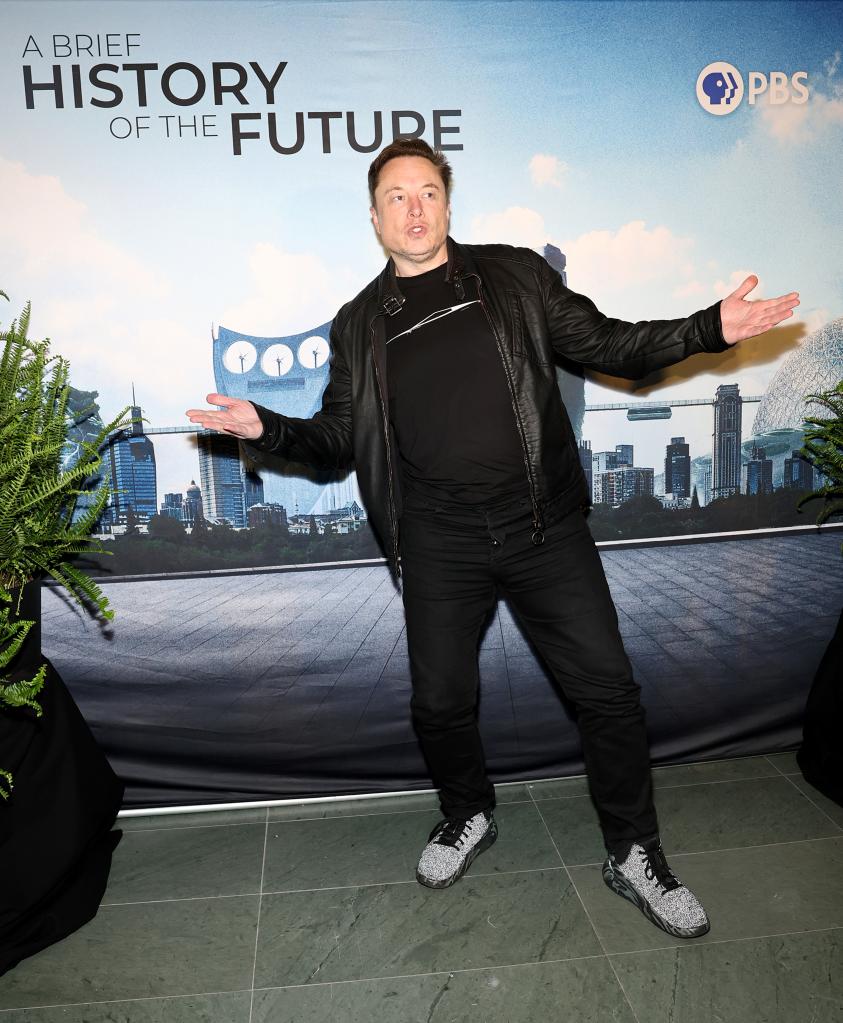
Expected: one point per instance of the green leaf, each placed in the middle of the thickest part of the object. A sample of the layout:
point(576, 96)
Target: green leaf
point(23, 693)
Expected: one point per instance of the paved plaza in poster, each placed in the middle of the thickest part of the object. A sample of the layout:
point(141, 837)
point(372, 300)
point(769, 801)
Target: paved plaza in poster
point(310, 666)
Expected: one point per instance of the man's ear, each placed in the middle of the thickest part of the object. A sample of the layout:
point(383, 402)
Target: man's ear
point(373, 213)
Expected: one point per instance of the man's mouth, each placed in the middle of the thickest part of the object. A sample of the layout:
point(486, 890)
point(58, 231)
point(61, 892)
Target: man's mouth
point(417, 230)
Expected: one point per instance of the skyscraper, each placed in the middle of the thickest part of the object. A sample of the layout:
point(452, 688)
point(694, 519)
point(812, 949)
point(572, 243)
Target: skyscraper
point(702, 480)
point(677, 468)
point(798, 473)
point(252, 485)
point(759, 472)
point(584, 448)
point(617, 486)
point(603, 462)
point(221, 479)
point(726, 449)
point(133, 480)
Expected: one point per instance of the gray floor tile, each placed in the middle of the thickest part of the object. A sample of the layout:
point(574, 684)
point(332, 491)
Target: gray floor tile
point(224, 1008)
point(582, 991)
point(746, 892)
point(186, 863)
point(203, 819)
point(790, 979)
point(757, 811)
point(161, 948)
point(717, 770)
point(380, 849)
point(828, 806)
point(512, 793)
point(785, 762)
point(396, 930)
point(696, 818)
point(559, 787)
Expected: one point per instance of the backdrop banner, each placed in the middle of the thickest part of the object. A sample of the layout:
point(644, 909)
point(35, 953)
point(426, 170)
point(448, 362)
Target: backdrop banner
point(183, 199)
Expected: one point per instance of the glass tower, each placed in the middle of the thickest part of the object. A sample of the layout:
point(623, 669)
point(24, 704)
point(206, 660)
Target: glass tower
point(223, 498)
point(759, 472)
point(677, 468)
point(133, 480)
point(252, 486)
point(172, 506)
point(798, 473)
point(584, 448)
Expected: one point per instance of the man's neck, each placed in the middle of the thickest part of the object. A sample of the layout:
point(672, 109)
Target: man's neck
point(410, 268)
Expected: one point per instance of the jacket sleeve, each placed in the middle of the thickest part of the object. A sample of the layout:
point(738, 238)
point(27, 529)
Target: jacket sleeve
point(580, 332)
point(325, 440)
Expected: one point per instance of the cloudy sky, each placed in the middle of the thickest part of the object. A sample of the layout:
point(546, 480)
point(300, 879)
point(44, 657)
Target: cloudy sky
point(580, 127)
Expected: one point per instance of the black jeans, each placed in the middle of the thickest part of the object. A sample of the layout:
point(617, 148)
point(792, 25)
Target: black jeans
point(455, 565)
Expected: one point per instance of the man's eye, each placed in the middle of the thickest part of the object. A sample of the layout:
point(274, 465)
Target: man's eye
point(397, 198)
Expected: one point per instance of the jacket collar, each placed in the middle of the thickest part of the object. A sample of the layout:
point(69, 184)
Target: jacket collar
point(390, 298)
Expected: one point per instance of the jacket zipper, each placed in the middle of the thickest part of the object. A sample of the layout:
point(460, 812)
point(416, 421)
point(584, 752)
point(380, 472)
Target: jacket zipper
point(392, 518)
point(538, 524)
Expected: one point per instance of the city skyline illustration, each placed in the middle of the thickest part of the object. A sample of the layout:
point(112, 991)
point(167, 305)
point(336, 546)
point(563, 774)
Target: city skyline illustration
point(231, 484)
point(289, 373)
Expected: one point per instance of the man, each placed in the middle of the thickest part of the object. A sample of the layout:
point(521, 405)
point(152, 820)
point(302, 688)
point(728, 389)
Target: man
point(472, 480)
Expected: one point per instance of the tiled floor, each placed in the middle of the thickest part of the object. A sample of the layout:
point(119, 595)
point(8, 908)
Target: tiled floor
point(309, 914)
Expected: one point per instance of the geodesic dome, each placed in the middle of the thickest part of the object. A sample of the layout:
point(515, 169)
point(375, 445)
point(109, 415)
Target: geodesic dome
point(815, 366)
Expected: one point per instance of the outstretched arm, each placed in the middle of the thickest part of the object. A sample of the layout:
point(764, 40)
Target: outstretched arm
point(579, 331)
point(323, 441)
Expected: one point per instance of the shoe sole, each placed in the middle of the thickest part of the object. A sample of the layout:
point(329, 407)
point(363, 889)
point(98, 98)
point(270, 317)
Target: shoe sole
point(622, 887)
point(484, 843)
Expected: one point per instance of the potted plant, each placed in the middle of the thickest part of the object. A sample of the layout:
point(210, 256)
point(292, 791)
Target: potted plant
point(58, 795)
point(820, 757)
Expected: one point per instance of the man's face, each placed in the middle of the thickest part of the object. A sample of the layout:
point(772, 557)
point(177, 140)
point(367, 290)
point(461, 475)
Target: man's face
point(411, 214)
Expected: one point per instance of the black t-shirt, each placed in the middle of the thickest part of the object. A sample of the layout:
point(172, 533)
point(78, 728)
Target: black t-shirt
point(449, 400)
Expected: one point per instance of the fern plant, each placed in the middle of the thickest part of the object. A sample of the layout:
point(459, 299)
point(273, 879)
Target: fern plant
point(38, 498)
point(824, 449)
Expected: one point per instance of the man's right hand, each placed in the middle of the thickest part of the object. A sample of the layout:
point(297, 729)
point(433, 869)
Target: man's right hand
point(238, 417)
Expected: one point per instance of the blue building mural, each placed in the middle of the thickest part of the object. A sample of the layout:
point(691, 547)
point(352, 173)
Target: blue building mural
point(286, 374)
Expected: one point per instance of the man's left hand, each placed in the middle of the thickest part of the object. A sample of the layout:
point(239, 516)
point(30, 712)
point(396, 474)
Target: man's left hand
point(741, 318)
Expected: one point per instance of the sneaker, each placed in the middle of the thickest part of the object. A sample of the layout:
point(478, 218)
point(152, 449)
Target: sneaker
point(647, 881)
point(452, 846)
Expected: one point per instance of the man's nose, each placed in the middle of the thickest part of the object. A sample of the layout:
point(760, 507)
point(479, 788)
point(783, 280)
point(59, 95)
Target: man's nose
point(415, 208)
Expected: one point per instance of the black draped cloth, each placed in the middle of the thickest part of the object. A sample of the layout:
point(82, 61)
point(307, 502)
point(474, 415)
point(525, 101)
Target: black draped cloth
point(55, 830)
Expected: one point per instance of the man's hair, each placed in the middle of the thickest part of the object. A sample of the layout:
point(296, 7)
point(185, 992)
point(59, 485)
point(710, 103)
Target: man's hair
point(408, 147)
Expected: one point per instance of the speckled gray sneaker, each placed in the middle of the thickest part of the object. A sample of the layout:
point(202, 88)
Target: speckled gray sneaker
point(452, 846)
point(648, 882)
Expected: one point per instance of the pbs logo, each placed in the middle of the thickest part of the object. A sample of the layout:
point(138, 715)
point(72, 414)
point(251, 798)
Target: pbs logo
point(720, 87)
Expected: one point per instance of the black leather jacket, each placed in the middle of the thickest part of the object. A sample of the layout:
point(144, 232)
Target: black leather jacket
point(534, 318)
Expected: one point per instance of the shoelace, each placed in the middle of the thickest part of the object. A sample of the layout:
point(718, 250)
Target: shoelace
point(453, 832)
point(655, 866)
